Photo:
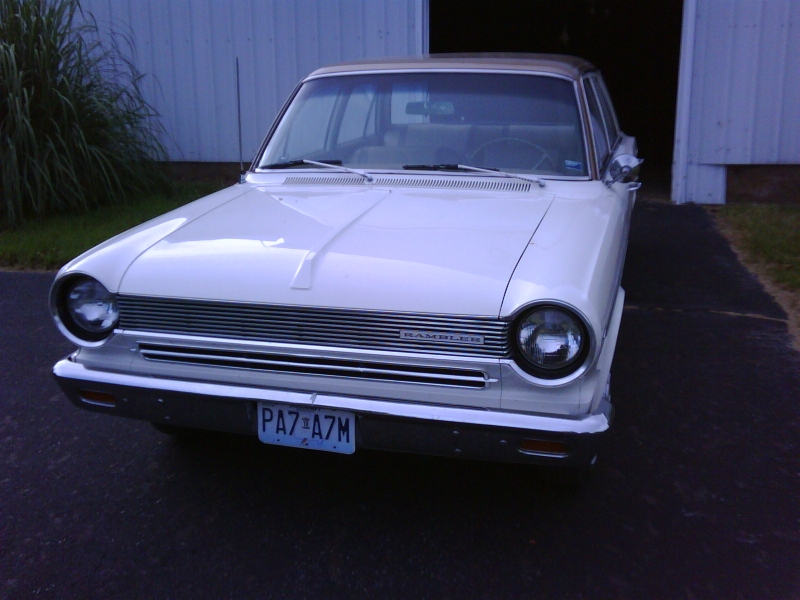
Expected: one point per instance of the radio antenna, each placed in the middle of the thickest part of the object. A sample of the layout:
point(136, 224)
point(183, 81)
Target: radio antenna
point(239, 118)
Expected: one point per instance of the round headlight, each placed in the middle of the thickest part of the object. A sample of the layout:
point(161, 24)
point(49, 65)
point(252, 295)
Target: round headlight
point(87, 309)
point(553, 341)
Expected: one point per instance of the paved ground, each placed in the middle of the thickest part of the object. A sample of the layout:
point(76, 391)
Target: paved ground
point(698, 495)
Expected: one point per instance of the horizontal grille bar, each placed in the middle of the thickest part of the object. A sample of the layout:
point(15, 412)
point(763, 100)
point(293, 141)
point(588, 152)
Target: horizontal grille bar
point(280, 363)
point(340, 328)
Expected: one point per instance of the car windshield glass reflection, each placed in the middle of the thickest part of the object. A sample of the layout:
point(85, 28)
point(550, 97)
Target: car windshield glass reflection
point(516, 123)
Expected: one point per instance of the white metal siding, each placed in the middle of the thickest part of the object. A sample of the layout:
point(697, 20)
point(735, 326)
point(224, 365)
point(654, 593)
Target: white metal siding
point(188, 49)
point(739, 96)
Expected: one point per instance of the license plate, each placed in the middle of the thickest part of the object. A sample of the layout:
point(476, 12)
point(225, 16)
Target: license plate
point(315, 428)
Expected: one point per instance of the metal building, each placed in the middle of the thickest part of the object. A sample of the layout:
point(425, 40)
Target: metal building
point(188, 50)
point(738, 92)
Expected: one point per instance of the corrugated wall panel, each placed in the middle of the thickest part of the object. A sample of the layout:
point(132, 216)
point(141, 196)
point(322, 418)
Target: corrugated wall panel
point(766, 121)
point(712, 43)
point(741, 85)
point(739, 99)
point(746, 108)
point(789, 145)
point(189, 48)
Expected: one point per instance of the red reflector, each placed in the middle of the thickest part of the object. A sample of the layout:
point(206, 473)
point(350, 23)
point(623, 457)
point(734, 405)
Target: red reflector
point(546, 447)
point(97, 398)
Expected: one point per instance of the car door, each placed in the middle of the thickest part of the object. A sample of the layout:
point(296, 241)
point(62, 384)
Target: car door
point(609, 143)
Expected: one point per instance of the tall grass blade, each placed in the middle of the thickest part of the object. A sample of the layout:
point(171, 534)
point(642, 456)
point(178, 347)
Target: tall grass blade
point(75, 129)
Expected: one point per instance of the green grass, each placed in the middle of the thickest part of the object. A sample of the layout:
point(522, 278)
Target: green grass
point(770, 235)
point(49, 242)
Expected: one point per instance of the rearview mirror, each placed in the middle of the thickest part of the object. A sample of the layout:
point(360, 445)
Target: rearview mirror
point(430, 108)
point(624, 168)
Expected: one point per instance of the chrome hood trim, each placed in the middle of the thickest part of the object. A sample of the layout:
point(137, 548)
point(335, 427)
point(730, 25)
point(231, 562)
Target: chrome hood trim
point(451, 183)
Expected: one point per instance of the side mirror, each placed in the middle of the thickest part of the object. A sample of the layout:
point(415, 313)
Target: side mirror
point(624, 168)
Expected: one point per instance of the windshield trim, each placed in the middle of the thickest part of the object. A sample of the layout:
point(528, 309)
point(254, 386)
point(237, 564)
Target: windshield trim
point(593, 173)
point(438, 70)
point(413, 173)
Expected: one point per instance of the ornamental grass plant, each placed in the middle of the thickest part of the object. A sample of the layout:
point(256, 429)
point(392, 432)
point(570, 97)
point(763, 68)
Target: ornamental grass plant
point(75, 130)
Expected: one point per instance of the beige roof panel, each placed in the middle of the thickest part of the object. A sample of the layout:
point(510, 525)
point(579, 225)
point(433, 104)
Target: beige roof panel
point(557, 64)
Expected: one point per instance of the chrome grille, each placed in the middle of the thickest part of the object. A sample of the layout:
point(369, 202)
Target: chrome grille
point(304, 365)
point(340, 328)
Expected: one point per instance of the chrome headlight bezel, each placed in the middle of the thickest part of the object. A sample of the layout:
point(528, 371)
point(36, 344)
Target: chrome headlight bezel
point(66, 301)
point(576, 362)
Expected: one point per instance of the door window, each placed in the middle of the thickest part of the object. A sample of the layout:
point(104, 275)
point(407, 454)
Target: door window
point(609, 117)
point(599, 133)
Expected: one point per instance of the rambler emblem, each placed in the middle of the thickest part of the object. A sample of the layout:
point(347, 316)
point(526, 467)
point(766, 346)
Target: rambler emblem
point(441, 336)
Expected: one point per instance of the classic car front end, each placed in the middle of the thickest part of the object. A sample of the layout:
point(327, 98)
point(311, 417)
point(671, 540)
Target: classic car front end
point(425, 256)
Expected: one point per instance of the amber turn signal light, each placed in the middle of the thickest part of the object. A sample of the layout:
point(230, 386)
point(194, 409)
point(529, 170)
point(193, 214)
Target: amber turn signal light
point(544, 448)
point(97, 398)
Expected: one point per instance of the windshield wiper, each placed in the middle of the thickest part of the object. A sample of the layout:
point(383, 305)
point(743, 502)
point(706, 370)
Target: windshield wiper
point(442, 167)
point(504, 173)
point(298, 163)
point(453, 167)
point(338, 166)
point(333, 163)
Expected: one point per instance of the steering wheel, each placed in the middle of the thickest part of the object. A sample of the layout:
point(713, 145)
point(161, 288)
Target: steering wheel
point(544, 155)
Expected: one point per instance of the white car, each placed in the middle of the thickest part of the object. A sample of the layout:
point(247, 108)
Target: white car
point(425, 256)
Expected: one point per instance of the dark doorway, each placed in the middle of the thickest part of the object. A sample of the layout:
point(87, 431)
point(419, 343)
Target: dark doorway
point(635, 43)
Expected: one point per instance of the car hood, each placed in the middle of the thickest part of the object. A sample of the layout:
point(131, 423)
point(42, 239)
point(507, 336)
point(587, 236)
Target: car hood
point(447, 251)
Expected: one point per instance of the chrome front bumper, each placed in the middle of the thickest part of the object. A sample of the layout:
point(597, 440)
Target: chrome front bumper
point(381, 424)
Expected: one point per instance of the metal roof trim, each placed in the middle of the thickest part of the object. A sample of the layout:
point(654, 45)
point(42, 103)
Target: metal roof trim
point(569, 66)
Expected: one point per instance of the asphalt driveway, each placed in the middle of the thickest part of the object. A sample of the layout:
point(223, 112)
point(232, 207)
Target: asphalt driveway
point(697, 496)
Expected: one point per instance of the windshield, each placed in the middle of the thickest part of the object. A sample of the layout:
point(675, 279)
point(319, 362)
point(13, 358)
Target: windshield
point(391, 121)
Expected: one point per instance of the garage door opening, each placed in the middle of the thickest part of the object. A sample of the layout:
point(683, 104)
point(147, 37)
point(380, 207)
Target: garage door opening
point(635, 44)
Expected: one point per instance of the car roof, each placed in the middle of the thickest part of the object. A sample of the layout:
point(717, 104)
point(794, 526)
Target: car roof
point(558, 64)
